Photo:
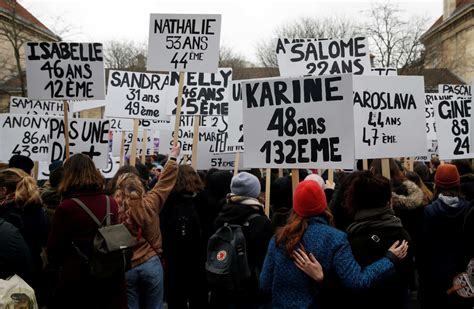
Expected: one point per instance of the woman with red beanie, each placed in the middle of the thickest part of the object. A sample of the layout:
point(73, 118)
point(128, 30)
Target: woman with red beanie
point(446, 242)
point(309, 227)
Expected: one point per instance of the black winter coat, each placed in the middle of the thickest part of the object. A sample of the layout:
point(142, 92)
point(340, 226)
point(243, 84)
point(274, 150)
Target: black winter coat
point(444, 252)
point(371, 235)
point(15, 256)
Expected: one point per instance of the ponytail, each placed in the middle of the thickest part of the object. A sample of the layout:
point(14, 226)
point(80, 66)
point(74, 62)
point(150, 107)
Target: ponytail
point(23, 185)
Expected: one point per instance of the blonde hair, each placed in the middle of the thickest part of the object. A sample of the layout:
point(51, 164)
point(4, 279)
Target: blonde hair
point(129, 187)
point(25, 187)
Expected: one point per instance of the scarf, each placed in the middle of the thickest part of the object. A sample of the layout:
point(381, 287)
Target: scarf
point(373, 219)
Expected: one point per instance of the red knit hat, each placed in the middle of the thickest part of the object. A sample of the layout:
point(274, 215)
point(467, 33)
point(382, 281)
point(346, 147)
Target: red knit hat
point(447, 176)
point(309, 199)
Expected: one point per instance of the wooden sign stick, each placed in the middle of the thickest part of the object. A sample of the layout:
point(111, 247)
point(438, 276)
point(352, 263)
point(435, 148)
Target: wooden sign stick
point(365, 164)
point(36, 170)
point(331, 175)
point(295, 178)
point(133, 148)
point(66, 127)
point(386, 168)
point(144, 146)
point(178, 107)
point(268, 178)
point(197, 119)
point(122, 149)
point(236, 163)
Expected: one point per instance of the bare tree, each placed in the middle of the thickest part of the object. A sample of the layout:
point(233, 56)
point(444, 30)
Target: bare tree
point(330, 27)
point(230, 59)
point(125, 55)
point(11, 30)
point(395, 41)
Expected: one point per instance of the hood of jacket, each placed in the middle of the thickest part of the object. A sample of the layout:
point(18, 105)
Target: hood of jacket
point(412, 199)
point(237, 209)
point(446, 206)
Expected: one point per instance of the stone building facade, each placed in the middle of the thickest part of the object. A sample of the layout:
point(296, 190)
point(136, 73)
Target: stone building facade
point(449, 42)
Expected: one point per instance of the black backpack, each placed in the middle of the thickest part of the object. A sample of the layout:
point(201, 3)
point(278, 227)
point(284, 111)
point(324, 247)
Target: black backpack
point(112, 247)
point(227, 265)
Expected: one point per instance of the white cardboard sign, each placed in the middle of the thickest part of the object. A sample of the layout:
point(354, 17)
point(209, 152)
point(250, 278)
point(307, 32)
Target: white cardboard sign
point(60, 70)
point(324, 57)
point(389, 115)
point(138, 95)
point(203, 93)
point(117, 142)
point(25, 106)
point(87, 136)
point(383, 72)
point(83, 105)
point(302, 122)
point(24, 135)
point(185, 134)
point(184, 42)
point(453, 118)
point(429, 113)
point(236, 125)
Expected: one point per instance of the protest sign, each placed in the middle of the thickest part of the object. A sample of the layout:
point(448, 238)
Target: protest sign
point(24, 135)
point(138, 95)
point(60, 70)
point(324, 57)
point(25, 106)
point(389, 115)
point(112, 167)
point(383, 71)
point(123, 124)
point(453, 117)
point(298, 122)
point(184, 42)
point(460, 90)
point(117, 141)
point(429, 113)
point(432, 150)
point(236, 126)
point(209, 158)
point(203, 93)
point(43, 171)
point(206, 134)
point(87, 136)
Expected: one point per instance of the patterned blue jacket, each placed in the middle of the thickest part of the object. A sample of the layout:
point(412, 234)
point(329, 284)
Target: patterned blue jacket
point(291, 288)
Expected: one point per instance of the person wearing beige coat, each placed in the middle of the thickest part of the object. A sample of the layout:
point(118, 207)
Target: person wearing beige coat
point(139, 211)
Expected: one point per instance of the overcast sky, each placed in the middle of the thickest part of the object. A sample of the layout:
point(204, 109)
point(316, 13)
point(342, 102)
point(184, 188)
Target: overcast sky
point(244, 22)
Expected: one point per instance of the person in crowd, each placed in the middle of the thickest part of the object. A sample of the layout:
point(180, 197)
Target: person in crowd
point(327, 186)
point(139, 211)
point(467, 178)
point(21, 206)
point(185, 277)
point(342, 214)
point(21, 162)
point(15, 257)
point(309, 228)
point(434, 164)
point(242, 204)
point(3, 166)
point(112, 185)
point(422, 169)
point(72, 230)
point(50, 194)
point(155, 173)
point(281, 199)
point(216, 188)
point(374, 230)
point(445, 242)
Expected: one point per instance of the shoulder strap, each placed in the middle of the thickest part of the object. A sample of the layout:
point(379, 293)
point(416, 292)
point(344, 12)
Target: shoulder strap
point(107, 214)
point(88, 211)
point(247, 220)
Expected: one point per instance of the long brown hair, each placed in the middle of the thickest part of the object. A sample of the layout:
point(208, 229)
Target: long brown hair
point(129, 188)
point(80, 175)
point(290, 235)
point(188, 180)
point(21, 184)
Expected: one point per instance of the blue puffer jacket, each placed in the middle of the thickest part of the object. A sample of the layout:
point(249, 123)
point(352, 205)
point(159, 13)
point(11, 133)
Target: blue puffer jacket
point(291, 288)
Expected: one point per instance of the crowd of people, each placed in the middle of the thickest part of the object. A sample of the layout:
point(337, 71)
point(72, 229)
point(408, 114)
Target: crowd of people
point(362, 241)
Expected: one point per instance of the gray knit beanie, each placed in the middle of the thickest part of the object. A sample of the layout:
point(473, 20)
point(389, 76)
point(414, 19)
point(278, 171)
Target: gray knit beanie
point(245, 184)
